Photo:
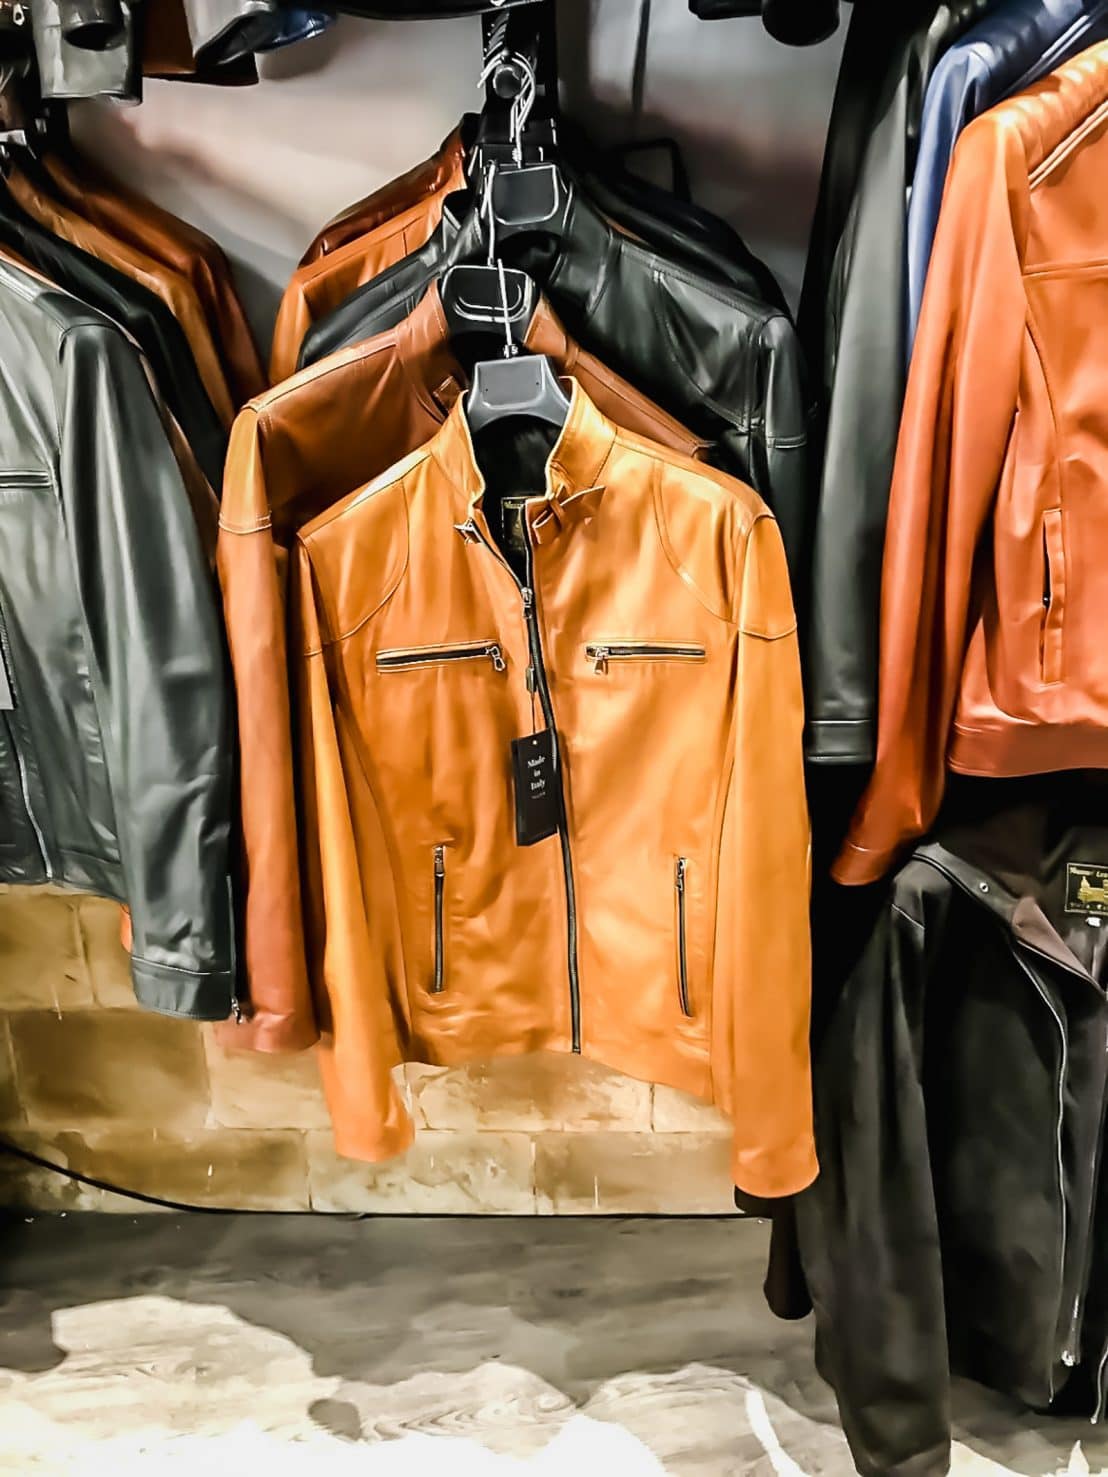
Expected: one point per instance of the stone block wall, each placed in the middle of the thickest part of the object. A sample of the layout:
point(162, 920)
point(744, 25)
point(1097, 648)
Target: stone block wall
point(92, 1083)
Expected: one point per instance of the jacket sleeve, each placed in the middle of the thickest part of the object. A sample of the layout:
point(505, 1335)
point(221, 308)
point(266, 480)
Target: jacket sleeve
point(253, 576)
point(954, 435)
point(293, 322)
point(762, 1005)
point(158, 673)
point(786, 481)
point(347, 958)
point(868, 1227)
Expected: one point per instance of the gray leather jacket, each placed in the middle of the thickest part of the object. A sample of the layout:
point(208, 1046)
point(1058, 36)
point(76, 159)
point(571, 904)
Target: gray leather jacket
point(115, 735)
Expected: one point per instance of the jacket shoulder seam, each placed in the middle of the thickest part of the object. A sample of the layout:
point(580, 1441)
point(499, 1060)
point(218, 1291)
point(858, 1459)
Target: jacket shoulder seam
point(391, 583)
point(671, 554)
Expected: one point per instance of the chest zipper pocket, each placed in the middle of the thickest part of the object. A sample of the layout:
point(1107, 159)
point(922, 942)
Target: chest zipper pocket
point(680, 878)
point(600, 653)
point(405, 658)
point(438, 982)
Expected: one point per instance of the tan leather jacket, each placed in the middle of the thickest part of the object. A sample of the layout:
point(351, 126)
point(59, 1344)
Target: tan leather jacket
point(435, 176)
point(179, 246)
point(294, 452)
point(173, 289)
point(664, 930)
point(995, 581)
point(316, 289)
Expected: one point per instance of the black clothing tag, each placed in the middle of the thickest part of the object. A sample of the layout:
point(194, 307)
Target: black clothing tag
point(1087, 889)
point(536, 787)
point(514, 527)
point(7, 694)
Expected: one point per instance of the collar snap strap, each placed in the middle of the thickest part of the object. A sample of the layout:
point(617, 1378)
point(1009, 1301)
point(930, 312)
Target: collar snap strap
point(558, 511)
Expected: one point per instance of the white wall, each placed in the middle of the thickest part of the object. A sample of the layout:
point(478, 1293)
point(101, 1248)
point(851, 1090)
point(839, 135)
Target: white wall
point(262, 168)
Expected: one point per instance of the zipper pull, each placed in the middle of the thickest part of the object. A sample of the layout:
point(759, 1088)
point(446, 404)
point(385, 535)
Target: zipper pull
point(440, 861)
point(679, 878)
point(528, 599)
point(532, 680)
point(468, 531)
point(498, 662)
point(1071, 1353)
point(600, 655)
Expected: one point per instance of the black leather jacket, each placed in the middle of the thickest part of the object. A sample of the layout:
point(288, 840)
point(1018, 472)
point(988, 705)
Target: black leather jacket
point(960, 1088)
point(115, 737)
point(724, 363)
point(145, 317)
point(852, 324)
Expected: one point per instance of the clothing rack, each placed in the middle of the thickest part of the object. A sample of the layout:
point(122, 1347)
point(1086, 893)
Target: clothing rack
point(524, 35)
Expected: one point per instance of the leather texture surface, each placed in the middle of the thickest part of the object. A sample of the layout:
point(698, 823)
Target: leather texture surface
point(956, 1227)
point(145, 317)
point(116, 752)
point(297, 450)
point(992, 652)
point(725, 364)
point(181, 248)
point(433, 935)
point(852, 323)
point(1009, 49)
point(174, 289)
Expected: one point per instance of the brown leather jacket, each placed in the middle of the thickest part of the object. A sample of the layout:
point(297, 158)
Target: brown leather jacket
point(173, 289)
point(179, 246)
point(646, 617)
point(313, 291)
point(995, 582)
point(294, 452)
point(435, 176)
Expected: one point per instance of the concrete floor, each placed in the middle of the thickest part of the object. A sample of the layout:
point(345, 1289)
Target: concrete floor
point(396, 1347)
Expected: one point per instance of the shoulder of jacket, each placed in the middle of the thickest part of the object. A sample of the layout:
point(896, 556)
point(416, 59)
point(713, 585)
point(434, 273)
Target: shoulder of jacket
point(358, 550)
point(342, 362)
point(710, 525)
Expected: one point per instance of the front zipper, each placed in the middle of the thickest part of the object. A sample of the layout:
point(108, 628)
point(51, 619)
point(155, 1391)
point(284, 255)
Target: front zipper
point(537, 683)
point(601, 653)
point(679, 877)
point(440, 942)
point(24, 781)
point(433, 656)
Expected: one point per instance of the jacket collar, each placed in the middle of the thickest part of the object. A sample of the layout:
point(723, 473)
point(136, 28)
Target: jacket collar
point(1020, 915)
point(425, 352)
point(574, 468)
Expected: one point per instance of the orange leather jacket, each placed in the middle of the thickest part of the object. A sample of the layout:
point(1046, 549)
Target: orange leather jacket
point(435, 176)
point(177, 245)
point(645, 616)
point(995, 581)
point(316, 289)
point(294, 452)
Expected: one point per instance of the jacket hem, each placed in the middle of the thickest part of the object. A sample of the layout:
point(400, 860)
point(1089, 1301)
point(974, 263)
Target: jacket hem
point(858, 866)
point(269, 1034)
point(182, 992)
point(1010, 749)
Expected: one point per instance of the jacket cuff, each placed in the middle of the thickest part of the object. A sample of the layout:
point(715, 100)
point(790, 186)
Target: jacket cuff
point(858, 866)
point(268, 1032)
point(198, 996)
point(840, 741)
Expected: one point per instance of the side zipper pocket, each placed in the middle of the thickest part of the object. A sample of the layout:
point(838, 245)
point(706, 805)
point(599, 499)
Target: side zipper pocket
point(438, 984)
point(1054, 597)
point(679, 881)
point(404, 658)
